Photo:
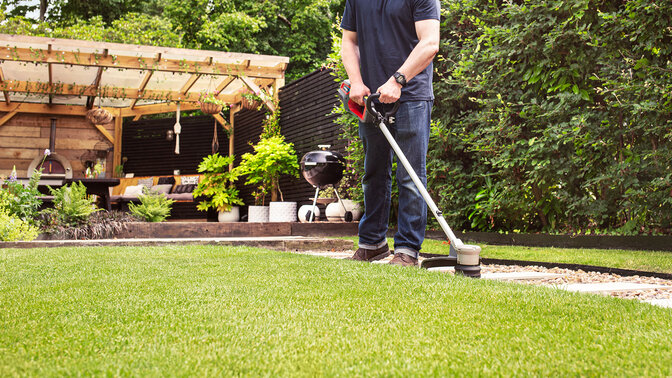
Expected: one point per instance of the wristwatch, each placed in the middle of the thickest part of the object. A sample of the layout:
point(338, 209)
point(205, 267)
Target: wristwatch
point(400, 78)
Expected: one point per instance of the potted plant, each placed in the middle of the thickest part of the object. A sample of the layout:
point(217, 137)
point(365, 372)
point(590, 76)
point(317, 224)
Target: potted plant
point(272, 158)
point(210, 104)
point(217, 187)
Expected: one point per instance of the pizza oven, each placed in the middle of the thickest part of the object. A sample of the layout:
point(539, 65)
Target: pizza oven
point(55, 166)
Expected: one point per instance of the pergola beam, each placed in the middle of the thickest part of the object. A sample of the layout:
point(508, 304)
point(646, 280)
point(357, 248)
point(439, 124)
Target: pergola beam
point(112, 92)
point(221, 121)
point(51, 77)
point(8, 116)
point(143, 85)
point(2, 80)
point(96, 82)
point(105, 133)
point(77, 110)
point(140, 63)
point(255, 88)
point(157, 109)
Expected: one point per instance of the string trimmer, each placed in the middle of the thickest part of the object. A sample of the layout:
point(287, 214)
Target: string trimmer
point(465, 257)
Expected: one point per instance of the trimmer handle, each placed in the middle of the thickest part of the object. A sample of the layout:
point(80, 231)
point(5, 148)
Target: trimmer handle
point(371, 109)
point(353, 107)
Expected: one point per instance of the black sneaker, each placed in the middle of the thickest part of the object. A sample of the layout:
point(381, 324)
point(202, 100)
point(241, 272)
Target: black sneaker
point(371, 254)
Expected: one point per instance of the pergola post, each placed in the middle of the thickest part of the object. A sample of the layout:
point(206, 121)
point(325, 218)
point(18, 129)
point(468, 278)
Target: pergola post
point(232, 115)
point(118, 126)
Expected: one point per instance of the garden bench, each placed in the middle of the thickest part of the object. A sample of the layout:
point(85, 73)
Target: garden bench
point(176, 187)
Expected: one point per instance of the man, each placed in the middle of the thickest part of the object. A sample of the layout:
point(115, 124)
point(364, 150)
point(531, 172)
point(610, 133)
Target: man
point(388, 45)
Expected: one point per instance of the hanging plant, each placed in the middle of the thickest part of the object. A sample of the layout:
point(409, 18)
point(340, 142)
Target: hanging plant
point(99, 116)
point(210, 104)
point(250, 101)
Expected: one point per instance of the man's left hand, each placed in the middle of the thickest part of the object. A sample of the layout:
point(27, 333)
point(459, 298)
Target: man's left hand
point(390, 91)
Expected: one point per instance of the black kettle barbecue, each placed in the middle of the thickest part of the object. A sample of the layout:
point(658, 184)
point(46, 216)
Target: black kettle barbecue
point(323, 168)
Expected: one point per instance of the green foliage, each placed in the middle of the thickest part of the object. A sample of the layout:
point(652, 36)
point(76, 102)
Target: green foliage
point(153, 206)
point(72, 205)
point(19, 200)
point(549, 116)
point(13, 228)
point(563, 106)
point(272, 157)
point(217, 184)
point(295, 28)
point(132, 28)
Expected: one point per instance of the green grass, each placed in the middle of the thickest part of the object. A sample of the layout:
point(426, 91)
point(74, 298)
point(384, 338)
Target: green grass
point(650, 261)
point(207, 310)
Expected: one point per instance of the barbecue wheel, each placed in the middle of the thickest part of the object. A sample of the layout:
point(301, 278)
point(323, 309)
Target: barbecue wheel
point(348, 216)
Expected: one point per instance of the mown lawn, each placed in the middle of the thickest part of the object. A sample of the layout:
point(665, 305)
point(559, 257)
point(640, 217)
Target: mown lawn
point(207, 310)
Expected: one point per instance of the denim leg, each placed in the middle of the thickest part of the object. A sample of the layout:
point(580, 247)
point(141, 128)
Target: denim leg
point(377, 186)
point(412, 134)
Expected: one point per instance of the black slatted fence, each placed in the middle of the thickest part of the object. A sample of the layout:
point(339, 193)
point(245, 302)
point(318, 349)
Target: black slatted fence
point(305, 120)
point(148, 152)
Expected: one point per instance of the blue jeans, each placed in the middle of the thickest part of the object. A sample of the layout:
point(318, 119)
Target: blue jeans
point(411, 131)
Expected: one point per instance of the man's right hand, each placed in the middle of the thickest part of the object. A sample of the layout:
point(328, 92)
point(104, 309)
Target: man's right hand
point(358, 91)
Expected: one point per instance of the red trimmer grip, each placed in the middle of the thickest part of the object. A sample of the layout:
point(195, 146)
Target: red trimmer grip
point(351, 106)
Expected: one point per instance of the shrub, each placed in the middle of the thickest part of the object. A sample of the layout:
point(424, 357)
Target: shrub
point(13, 228)
point(21, 201)
point(72, 205)
point(153, 206)
point(272, 157)
point(217, 184)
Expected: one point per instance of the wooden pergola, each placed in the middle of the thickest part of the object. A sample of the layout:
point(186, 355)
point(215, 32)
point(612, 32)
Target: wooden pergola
point(70, 77)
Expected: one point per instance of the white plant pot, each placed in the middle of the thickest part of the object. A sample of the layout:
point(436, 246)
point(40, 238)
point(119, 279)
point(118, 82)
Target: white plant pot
point(335, 212)
point(229, 216)
point(282, 212)
point(257, 214)
point(303, 213)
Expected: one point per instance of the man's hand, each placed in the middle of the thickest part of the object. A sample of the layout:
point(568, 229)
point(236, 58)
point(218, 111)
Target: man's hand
point(390, 91)
point(358, 91)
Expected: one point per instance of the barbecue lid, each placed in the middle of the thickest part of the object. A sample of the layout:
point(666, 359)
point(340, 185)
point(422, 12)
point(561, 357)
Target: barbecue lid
point(322, 157)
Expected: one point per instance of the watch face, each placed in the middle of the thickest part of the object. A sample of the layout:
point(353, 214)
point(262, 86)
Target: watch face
point(400, 78)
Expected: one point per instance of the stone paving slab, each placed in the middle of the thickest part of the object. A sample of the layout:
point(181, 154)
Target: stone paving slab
point(667, 303)
point(609, 287)
point(519, 276)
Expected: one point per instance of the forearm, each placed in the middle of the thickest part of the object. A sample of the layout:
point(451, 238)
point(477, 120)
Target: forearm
point(421, 56)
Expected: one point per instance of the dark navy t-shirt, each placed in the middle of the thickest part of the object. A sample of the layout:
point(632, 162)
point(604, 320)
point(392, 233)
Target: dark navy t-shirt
point(386, 36)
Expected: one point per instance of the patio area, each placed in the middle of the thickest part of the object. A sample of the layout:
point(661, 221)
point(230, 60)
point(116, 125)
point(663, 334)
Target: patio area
point(74, 97)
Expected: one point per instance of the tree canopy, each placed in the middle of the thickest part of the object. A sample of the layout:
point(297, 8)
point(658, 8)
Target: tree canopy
point(299, 29)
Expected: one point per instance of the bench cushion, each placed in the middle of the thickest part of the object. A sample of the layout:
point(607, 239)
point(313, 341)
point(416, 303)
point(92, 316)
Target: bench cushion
point(163, 188)
point(133, 191)
point(166, 180)
point(181, 196)
point(184, 188)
